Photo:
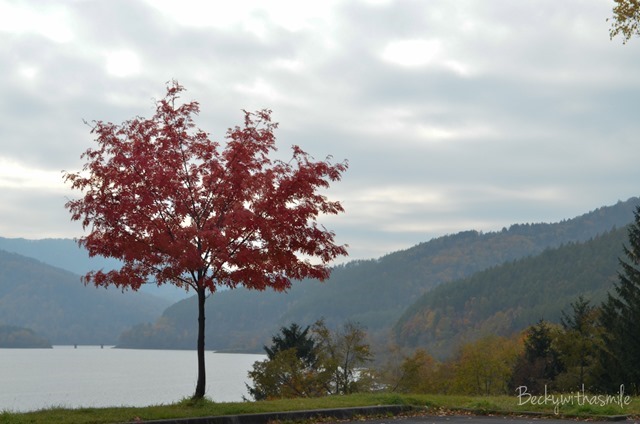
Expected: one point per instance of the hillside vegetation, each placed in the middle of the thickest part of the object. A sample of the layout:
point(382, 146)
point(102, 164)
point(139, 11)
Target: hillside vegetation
point(508, 298)
point(57, 306)
point(66, 254)
point(374, 293)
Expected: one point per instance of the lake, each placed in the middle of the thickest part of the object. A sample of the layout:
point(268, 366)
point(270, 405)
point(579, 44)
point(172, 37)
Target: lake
point(91, 376)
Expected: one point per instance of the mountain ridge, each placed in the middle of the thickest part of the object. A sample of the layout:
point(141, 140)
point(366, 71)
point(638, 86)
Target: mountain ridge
point(373, 292)
point(66, 254)
point(507, 298)
point(54, 303)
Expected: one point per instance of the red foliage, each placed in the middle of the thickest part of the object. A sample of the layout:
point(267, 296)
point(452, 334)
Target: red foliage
point(175, 208)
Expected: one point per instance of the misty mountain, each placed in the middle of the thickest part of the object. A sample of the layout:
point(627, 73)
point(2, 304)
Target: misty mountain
point(508, 298)
point(21, 338)
point(66, 254)
point(374, 293)
point(57, 306)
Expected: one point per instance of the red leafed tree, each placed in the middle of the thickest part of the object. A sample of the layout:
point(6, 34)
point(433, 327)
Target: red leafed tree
point(175, 208)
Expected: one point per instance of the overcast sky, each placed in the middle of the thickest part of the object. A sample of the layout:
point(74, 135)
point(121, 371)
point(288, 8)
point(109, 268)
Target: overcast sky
point(454, 115)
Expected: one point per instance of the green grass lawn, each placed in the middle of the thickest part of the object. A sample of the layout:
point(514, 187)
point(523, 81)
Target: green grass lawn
point(434, 404)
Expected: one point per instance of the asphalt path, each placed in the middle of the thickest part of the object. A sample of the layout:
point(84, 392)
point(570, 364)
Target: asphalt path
point(396, 414)
point(483, 419)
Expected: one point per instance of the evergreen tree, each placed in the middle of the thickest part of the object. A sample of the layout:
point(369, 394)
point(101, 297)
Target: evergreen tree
point(294, 337)
point(540, 362)
point(620, 317)
point(609, 370)
point(578, 344)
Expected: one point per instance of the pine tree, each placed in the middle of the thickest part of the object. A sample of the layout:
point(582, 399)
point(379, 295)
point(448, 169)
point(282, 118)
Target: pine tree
point(578, 344)
point(539, 363)
point(620, 316)
point(296, 337)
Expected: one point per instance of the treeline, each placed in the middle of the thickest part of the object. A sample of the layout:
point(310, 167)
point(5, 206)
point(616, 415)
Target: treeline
point(587, 351)
point(574, 355)
point(594, 348)
point(559, 358)
point(505, 299)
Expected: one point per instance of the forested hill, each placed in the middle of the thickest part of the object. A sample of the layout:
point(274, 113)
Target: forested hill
point(508, 298)
point(66, 254)
point(57, 306)
point(61, 253)
point(372, 292)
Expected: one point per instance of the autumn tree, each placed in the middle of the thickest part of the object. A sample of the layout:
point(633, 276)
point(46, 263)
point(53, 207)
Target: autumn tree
point(626, 19)
point(484, 367)
point(344, 352)
point(416, 374)
point(177, 208)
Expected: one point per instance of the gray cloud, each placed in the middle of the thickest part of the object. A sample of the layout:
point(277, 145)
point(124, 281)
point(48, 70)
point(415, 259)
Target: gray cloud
point(453, 115)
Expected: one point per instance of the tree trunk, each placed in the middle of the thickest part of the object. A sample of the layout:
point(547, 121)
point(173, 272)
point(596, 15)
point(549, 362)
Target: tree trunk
point(202, 373)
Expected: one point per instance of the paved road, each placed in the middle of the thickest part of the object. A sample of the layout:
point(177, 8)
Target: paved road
point(469, 419)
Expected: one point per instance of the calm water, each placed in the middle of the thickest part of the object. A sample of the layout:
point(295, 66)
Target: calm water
point(32, 379)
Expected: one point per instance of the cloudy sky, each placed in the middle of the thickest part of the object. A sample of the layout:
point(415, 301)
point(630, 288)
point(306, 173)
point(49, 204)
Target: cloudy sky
point(454, 115)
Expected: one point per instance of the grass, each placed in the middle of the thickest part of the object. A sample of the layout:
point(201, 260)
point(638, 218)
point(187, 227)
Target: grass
point(434, 404)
